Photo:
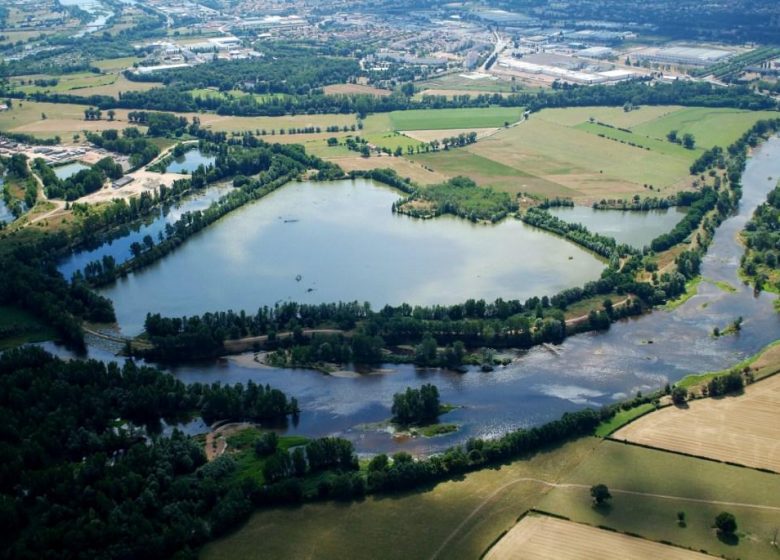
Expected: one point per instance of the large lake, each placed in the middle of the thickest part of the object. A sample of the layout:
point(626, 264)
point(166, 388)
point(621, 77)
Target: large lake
point(339, 241)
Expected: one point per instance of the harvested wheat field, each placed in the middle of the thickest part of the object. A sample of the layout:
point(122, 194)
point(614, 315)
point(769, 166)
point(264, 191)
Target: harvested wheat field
point(742, 429)
point(548, 538)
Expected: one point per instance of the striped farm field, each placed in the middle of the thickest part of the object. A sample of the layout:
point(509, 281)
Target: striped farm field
point(540, 537)
point(742, 429)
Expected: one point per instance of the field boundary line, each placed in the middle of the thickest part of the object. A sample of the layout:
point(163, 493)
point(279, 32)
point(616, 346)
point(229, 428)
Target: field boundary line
point(684, 454)
point(506, 485)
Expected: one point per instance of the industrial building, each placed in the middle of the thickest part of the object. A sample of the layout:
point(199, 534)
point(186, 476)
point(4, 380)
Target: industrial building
point(564, 74)
point(688, 56)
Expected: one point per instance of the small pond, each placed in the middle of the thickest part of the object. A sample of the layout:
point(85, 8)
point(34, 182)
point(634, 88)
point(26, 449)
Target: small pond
point(190, 161)
point(69, 169)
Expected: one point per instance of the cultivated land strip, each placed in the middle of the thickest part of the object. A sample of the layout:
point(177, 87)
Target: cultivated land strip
point(741, 429)
point(548, 538)
point(503, 487)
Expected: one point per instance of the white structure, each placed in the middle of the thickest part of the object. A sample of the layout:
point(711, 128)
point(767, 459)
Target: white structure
point(573, 76)
point(690, 56)
point(596, 52)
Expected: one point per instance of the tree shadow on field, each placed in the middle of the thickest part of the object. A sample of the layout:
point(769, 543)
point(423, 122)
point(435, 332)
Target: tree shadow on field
point(730, 539)
point(603, 509)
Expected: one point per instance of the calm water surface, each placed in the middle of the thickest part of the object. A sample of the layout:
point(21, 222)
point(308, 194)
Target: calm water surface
point(190, 161)
point(339, 241)
point(68, 170)
point(119, 248)
point(633, 228)
point(590, 369)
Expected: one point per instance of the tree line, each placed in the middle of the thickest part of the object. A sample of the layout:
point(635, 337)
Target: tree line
point(762, 242)
point(179, 99)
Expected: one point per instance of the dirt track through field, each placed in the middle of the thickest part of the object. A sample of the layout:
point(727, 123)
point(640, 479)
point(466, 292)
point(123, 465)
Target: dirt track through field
point(742, 429)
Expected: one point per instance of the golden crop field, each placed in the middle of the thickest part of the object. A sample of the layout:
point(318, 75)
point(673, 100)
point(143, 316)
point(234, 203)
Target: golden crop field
point(741, 429)
point(540, 537)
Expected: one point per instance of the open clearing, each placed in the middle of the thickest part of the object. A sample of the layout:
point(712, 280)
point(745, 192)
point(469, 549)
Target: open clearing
point(405, 168)
point(540, 537)
point(649, 487)
point(455, 519)
point(742, 429)
point(558, 152)
point(427, 119)
point(438, 134)
point(352, 89)
point(468, 85)
point(62, 119)
point(710, 127)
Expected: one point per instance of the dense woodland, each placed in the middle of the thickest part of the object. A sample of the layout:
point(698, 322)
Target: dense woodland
point(84, 474)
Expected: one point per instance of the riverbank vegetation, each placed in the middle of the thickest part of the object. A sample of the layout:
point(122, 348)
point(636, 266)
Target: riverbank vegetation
point(759, 265)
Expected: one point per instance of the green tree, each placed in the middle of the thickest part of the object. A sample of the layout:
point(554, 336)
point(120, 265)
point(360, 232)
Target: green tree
point(600, 493)
point(726, 523)
point(679, 395)
point(688, 141)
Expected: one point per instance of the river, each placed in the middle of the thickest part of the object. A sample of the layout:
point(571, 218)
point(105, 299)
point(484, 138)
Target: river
point(592, 369)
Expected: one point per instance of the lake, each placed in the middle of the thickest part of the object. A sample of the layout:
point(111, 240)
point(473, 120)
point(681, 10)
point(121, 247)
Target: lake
point(119, 247)
point(339, 241)
point(190, 161)
point(635, 228)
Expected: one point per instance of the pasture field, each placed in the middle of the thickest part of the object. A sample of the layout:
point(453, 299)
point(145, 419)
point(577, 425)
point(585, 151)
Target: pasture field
point(711, 127)
point(654, 144)
point(615, 116)
point(622, 418)
point(66, 82)
point(235, 93)
point(350, 161)
point(113, 88)
point(490, 172)
point(115, 64)
point(540, 537)
point(649, 487)
point(239, 124)
point(467, 85)
point(558, 152)
point(742, 429)
point(352, 89)
point(454, 520)
point(428, 119)
point(431, 135)
point(581, 160)
point(62, 119)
